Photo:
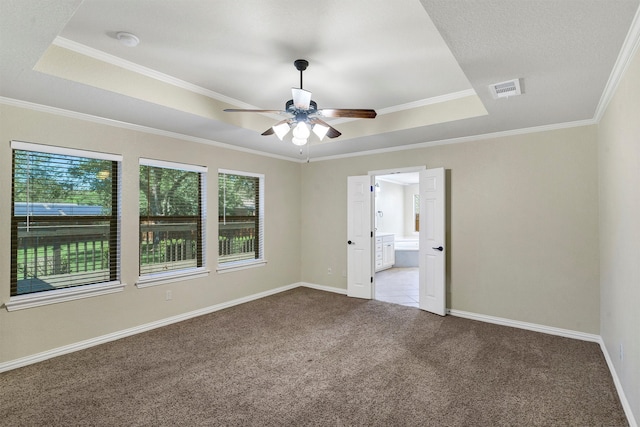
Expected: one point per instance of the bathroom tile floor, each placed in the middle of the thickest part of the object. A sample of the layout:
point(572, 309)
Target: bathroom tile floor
point(398, 286)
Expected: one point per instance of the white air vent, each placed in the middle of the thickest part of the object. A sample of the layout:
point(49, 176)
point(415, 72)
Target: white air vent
point(505, 89)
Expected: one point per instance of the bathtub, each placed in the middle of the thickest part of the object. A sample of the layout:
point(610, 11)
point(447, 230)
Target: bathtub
point(406, 251)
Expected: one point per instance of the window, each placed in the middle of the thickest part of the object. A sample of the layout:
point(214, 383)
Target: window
point(416, 212)
point(172, 218)
point(240, 218)
point(64, 219)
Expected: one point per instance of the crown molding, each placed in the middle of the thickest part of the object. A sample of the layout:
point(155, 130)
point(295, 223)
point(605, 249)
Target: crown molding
point(147, 72)
point(462, 139)
point(165, 78)
point(415, 104)
point(427, 101)
point(139, 128)
point(124, 125)
point(626, 55)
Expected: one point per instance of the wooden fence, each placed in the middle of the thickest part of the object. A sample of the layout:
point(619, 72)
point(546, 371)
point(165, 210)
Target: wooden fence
point(55, 250)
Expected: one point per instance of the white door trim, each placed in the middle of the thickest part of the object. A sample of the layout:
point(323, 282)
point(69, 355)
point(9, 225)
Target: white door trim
point(397, 170)
point(427, 301)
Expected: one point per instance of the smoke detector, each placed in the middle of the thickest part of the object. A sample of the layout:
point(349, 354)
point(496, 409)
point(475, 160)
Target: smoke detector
point(127, 39)
point(505, 89)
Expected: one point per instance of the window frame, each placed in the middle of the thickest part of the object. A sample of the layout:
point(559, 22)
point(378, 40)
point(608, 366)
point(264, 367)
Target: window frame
point(260, 261)
point(36, 299)
point(154, 279)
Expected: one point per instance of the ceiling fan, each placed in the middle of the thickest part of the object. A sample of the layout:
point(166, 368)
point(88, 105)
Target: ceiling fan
point(303, 115)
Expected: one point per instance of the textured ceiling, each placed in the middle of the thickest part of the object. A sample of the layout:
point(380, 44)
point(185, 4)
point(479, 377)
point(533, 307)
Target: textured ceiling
point(424, 66)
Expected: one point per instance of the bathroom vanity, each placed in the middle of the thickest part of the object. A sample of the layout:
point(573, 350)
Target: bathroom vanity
point(385, 251)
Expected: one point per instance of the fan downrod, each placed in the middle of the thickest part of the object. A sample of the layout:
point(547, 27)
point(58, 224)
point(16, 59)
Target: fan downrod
point(301, 65)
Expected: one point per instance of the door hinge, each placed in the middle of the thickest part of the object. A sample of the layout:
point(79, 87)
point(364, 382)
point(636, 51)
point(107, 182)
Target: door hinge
point(371, 279)
point(372, 234)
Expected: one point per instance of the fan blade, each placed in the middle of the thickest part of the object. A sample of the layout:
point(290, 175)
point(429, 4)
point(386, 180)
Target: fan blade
point(236, 110)
point(332, 133)
point(346, 112)
point(301, 98)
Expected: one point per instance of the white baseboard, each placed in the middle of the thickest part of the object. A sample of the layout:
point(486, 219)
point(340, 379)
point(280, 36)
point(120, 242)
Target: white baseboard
point(81, 345)
point(324, 288)
point(528, 326)
point(39, 357)
point(623, 398)
point(563, 333)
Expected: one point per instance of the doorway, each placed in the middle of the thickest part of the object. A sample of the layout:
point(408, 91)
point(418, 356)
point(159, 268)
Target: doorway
point(396, 210)
point(361, 244)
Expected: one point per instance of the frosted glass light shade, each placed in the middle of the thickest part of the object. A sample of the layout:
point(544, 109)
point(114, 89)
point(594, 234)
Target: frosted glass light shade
point(320, 130)
point(301, 131)
point(281, 130)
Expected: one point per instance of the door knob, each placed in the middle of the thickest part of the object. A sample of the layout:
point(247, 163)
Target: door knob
point(351, 243)
point(439, 248)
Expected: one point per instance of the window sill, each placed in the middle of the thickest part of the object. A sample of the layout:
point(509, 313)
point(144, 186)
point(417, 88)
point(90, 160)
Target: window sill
point(240, 265)
point(173, 276)
point(38, 299)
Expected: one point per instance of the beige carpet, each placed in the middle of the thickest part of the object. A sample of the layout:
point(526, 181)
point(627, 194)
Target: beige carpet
point(307, 357)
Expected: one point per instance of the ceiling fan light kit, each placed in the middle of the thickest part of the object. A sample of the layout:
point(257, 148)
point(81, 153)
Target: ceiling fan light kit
point(303, 115)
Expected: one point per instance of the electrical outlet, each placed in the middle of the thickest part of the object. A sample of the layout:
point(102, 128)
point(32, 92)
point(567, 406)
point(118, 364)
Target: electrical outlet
point(168, 296)
point(329, 271)
point(621, 352)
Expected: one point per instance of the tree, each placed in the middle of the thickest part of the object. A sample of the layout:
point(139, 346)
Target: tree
point(93, 180)
point(168, 192)
point(54, 178)
point(237, 194)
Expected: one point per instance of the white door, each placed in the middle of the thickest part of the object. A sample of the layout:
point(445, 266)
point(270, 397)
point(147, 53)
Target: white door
point(359, 237)
point(432, 250)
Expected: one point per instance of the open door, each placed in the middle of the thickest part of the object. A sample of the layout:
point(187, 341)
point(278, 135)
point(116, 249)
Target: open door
point(359, 237)
point(432, 240)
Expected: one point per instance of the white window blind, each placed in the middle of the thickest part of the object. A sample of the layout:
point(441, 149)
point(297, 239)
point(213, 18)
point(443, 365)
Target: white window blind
point(240, 217)
point(65, 218)
point(172, 216)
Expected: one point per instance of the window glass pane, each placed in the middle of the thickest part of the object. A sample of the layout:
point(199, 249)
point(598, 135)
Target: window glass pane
point(64, 222)
point(239, 218)
point(170, 219)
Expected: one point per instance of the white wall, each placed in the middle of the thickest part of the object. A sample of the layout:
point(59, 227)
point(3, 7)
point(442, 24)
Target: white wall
point(34, 330)
point(619, 180)
point(390, 201)
point(523, 224)
point(396, 203)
